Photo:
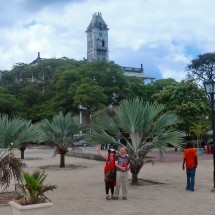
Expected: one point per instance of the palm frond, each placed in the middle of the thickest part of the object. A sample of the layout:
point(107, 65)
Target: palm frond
point(10, 167)
point(15, 130)
point(32, 187)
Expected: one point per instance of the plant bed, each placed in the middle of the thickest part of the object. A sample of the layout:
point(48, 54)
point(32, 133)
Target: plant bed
point(32, 158)
point(57, 167)
point(33, 209)
point(143, 182)
point(31, 195)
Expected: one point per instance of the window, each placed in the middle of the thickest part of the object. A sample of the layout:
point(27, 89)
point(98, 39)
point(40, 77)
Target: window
point(103, 43)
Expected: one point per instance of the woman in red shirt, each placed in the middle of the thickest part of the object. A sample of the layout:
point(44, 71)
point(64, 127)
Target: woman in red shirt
point(109, 171)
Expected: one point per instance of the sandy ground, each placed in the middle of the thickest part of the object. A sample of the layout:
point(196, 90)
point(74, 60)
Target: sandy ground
point(81, 190)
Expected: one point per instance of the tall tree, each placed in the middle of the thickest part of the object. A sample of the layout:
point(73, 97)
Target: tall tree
point(142, 126)
point(187, 101)
point(9, 104)
point(202, 68)
point(136, 88)
point(90, 96)
point(105, 76)
point(157, 86)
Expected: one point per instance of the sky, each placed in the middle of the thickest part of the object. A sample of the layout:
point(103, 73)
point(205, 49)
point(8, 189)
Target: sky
point(163, 35)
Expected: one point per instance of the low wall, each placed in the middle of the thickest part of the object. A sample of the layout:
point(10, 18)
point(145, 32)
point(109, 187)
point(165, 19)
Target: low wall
point(85, 156)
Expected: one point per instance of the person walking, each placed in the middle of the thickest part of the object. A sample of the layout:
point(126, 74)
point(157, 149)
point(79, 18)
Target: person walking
point(109, 171)
point(191, 160)
point(122, 166)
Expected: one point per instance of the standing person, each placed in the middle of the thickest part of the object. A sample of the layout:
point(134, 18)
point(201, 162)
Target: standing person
point(191, 160)
point(122, 166)
point(109, 171)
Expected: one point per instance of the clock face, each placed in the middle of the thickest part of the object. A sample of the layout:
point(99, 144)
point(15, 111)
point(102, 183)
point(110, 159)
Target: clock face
point(100, 34)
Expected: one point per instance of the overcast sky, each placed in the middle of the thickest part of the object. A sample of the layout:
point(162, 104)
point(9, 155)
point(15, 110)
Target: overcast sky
point(163, 35)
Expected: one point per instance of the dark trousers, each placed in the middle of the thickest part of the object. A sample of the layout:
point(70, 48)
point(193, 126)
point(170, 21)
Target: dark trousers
point(191, 178)
point(109, 185)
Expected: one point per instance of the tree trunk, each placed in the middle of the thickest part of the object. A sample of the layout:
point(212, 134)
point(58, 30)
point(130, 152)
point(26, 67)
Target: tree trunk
point(134, 180)
point(62, 160)
point(22, 154)
point(135, 168)
point(22, 150)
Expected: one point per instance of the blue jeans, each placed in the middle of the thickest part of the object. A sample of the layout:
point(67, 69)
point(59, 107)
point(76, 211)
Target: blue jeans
point(190, 178)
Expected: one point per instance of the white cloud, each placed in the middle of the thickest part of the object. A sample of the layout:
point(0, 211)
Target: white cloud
point(164, 35)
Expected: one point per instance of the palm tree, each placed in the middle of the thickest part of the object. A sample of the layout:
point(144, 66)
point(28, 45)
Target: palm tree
point(142, 127)
point(59, 133)
point(14, 131)
point(199, 129)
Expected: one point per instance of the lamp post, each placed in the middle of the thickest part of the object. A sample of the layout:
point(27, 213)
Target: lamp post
point(210, 90)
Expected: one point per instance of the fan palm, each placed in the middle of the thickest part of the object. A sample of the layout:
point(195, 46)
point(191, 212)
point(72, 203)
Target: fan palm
point(14, 131)
point(199, 130)
point(59, 133)
point(32, 190)
point(142, 127)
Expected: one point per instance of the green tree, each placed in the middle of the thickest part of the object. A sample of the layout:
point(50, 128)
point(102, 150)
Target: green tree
point(34, 100)
point(146, 127)
point(187, 101)
point(136, 88)
point(31, 94)
point(105, 76)
point(202, 68)
point(59, 133)
point(90, 96)
point(9, 104)
point(157, 86)
point(41, 71)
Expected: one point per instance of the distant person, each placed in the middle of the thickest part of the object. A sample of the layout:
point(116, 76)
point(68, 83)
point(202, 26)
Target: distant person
point(109, 171)
point(103, 146)
point(116, 146)
point(191, 160)
point(122, 166)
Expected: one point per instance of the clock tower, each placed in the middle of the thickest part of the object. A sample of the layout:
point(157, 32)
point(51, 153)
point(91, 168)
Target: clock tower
point(97, 39)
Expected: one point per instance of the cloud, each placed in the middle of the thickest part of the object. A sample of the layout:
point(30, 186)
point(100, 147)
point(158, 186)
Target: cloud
point(163, 35)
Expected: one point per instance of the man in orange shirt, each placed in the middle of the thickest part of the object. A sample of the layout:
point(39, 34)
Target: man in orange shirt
point(191, 160)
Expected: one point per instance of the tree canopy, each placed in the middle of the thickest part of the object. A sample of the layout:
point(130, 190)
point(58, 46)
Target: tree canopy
point(202, 68)
point(40, 90)
point(186, 100)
